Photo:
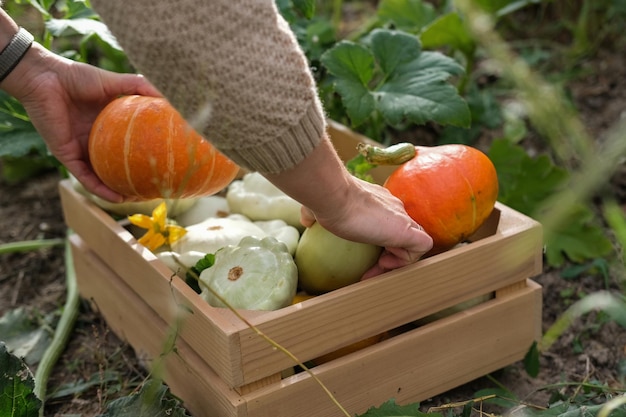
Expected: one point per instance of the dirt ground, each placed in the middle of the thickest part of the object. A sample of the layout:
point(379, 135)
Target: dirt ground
point(591, 350)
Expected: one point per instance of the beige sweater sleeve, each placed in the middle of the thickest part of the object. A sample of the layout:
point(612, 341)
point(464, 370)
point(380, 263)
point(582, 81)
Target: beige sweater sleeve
point(233, 68)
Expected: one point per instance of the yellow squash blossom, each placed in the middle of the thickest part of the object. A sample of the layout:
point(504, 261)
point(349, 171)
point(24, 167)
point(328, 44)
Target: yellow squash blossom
point(159, 232)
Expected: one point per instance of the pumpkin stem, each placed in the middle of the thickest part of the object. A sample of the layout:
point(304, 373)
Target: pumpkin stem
point(393, 155)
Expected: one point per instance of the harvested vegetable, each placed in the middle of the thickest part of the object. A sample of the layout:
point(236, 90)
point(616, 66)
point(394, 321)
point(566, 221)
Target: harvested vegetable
point(142, 147)
point(256, 274)
point(450, 190)
point(216, 232)
point(205, 207)
point(258, 199)
point(327, 262)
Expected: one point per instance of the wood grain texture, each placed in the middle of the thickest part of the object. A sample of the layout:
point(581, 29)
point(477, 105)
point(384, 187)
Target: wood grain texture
point(410, 366)
point(187, 375)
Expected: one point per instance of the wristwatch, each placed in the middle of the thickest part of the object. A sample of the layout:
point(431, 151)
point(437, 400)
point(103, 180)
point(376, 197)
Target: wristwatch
point(13, 53)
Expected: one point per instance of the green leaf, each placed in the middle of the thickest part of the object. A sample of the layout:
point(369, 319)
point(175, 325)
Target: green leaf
point(448, 30)
point(18, 136)
point(17, 396)
point(391, 409)
point(411, 84)
point(525, 182)
point(350, 61)
point(531, 361)
point(409, 15)
point(41, 6)
point(204, 263)
point(393, 49)
point(22, 336)
point(151, 401)
point(360, 168)
point(305, 7)
point(580, 238)
point(82, 26)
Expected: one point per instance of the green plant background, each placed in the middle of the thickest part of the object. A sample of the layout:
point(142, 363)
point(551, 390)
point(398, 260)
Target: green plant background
point(413, 70)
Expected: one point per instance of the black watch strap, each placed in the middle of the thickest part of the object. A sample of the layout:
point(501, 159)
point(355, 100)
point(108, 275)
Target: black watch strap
point(13, 53)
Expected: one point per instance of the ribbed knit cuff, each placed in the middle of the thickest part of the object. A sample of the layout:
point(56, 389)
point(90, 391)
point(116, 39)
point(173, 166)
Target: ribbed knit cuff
point(287, 150)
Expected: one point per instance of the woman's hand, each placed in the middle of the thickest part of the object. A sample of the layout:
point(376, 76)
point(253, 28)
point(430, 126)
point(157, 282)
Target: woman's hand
point(353, 209)
point(62, 99)
point(373, 215)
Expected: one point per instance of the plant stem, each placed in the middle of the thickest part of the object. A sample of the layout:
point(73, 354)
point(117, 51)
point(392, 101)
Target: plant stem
point(336, 17)
point(62, 332)
point(30, 245)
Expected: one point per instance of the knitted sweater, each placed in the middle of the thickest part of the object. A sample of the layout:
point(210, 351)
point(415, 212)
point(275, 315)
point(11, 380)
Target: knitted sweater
point(233, 68)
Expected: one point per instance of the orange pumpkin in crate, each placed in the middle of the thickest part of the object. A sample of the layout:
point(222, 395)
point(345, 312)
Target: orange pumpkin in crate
point(450, 190)
point(141, 147)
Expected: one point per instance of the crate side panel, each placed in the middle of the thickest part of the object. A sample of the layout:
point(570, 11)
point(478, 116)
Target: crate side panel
point(212, 334)
point(186, 374)
point(368, 308)
point(412, 367)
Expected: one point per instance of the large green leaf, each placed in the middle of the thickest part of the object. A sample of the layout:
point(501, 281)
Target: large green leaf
point(448, 31)
point(409, 15)
point(578, 239)
point(82, 26)
point(410, 85)
point(17, 396)
point(526, 184)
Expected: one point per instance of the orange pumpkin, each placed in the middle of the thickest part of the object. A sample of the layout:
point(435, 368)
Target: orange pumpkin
point(450, 190)
point(142, 147)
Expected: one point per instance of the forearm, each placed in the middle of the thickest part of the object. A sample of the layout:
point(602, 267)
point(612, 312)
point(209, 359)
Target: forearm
point(231, 67)
point(20, 81)
point(8, 28)
point(320, 182)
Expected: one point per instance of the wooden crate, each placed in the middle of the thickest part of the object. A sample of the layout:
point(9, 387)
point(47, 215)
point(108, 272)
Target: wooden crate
point(222, 368)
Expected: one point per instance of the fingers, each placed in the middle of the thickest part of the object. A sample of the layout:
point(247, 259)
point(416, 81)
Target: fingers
point(307, 217)
point(393, 258)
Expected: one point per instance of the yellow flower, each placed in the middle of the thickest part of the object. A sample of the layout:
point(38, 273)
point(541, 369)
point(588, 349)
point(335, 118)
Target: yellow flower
point(159, 232)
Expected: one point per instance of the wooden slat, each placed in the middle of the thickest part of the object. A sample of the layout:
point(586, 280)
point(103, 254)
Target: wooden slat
point(186, 374)
point(240, 357)
point(410, 367)
point(368, 308)
point(212, 335)
point(414, 366)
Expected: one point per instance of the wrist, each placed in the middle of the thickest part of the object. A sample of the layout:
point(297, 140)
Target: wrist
point(14, 52)
point(20, 81)
point(322, 173)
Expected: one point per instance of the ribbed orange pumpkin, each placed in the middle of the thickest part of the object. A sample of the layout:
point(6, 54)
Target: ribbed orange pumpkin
point(142, 147)
point(450, 190)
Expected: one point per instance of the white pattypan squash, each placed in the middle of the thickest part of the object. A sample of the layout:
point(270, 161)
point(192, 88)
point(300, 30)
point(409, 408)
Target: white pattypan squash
point(256, 274)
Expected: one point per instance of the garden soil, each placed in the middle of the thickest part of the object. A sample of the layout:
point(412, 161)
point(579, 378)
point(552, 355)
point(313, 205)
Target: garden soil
point(591, 351)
